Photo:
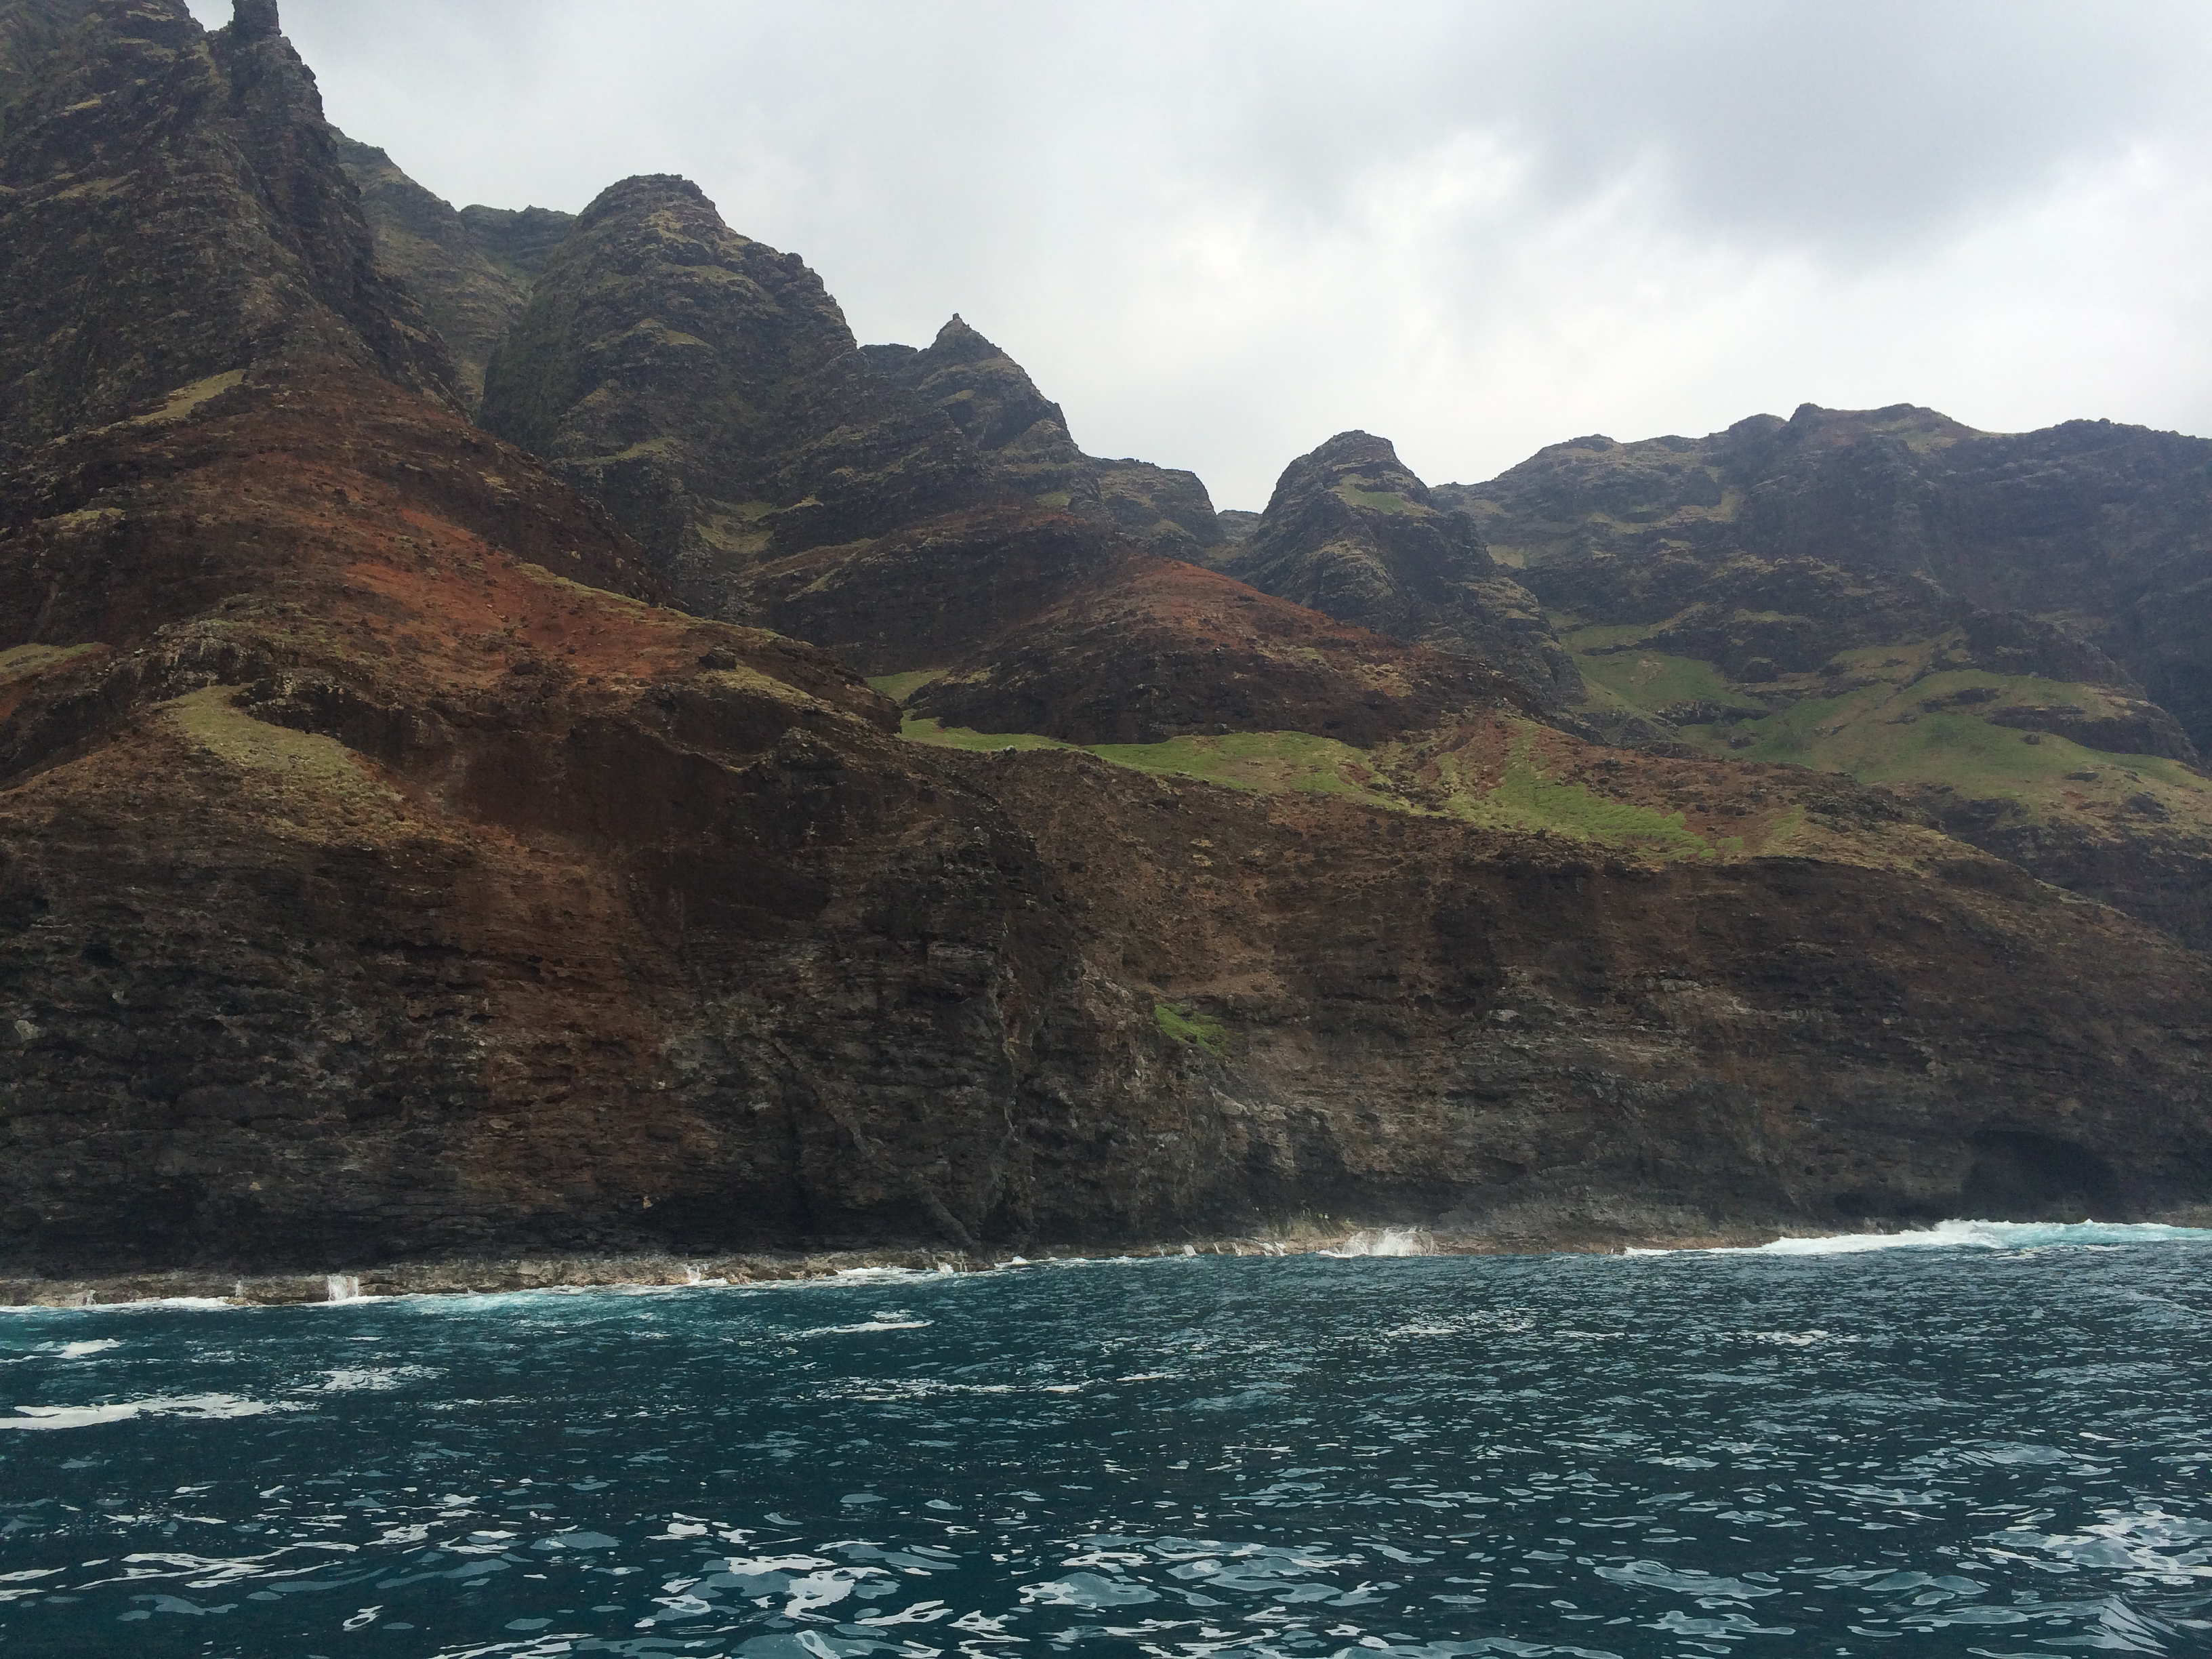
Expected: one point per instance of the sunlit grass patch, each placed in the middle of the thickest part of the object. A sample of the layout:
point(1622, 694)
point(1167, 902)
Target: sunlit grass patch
point(1191, 1030)
point(918, 729)
point(1268, 762)
point(899, 687)
point(1523, 798)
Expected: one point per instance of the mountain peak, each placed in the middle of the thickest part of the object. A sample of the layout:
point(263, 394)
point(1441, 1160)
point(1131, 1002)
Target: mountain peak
point(254, 20)
point(126, 281)
point(640, 192)
point(1352, 532)
point(1354, 448)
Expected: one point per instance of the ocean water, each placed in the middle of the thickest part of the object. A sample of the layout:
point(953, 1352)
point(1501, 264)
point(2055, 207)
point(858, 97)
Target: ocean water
point(1989, 1441)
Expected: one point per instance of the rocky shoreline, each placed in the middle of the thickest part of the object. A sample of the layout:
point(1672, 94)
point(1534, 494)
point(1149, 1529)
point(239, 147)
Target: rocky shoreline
point(502, 1275)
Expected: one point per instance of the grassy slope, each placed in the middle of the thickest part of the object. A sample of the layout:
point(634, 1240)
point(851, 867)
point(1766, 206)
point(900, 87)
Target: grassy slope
point(1871, 717)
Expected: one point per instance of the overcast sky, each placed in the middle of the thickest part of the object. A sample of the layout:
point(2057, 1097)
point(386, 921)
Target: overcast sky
point(1218, 234)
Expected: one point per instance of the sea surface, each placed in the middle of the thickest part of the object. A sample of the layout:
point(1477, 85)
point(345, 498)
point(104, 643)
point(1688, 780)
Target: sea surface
point(1984, 1440)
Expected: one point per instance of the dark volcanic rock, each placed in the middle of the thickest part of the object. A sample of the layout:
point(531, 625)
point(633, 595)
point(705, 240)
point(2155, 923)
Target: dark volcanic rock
point(1350, 532)
point(172, 209)
point(1756, 617)
point(912, 510)
point(1152, 650)
point(364, 894)
point(386, 873)
point(1545, 1043)
point(2106, 527)
point(471, 270)
point(706, 388)
point(992, 400)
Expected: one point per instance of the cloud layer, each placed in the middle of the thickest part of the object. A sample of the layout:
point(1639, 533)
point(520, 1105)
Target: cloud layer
point(1219, 233)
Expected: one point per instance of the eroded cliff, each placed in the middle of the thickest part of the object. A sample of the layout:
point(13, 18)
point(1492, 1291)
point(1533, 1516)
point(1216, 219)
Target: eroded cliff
point(389, 870)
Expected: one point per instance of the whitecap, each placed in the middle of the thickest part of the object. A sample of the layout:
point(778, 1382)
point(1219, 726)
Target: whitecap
point(1966, 1235)
point(80, 1350)
point(370, 1379)
point(196, 1405)
point(882, 1322)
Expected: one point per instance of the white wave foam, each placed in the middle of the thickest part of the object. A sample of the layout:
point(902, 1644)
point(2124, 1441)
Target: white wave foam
point(888, 1319)
point(1386, 1241)
point(1970, 1235)
point(198, 1405)
point(85, 1305)
point(84, 1350)
point(370, 1379)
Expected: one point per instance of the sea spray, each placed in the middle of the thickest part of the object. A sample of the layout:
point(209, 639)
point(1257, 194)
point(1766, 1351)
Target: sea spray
point(1386, 1240)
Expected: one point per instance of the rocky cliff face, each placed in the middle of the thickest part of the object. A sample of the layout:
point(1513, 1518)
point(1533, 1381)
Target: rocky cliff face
point(706, 388)
point(471, 271)
point(919, 511)
point(2102, 527)
point(1501, 1031)
point(172, 209)
point(991, 399)
point(388, 871)
point(367, 890)
point(1352, 532)
point(370, 890)
point(1964, 617)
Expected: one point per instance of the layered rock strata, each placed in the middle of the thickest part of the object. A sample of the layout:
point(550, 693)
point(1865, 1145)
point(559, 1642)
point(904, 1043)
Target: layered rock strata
point(389, 872)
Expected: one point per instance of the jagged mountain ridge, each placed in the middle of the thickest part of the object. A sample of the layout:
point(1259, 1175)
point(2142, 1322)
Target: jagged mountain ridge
point(1351, 532)
point(386, 870)
point(991, 399)
point(471, 269)
point(891, 505)
point(2099, 526)
point(1996, 626)
point(129, 268)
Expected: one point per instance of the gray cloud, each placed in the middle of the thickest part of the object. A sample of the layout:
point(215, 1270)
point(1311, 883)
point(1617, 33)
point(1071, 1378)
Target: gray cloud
point(1219, 232)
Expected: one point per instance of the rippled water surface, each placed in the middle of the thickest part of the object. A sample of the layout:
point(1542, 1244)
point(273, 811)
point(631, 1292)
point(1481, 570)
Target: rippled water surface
point(1996, 1444)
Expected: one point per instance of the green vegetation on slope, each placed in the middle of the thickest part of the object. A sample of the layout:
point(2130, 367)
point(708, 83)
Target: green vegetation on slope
point(1267, 762)
point(1881, 715)
point(899, 687)
point(1649, 681)
point(1193, 1030)
point(1379, 501)
point(1286, 763)
point(1524, 798)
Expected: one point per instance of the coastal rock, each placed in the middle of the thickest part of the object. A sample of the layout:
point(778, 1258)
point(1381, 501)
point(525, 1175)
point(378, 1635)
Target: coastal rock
point(389, 874)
